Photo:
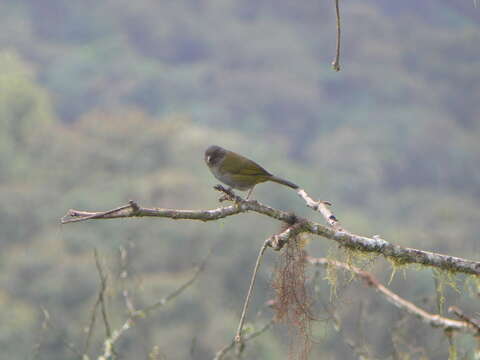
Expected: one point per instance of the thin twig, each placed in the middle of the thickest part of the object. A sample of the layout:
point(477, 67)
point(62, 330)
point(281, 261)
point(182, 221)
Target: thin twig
point(101, 295)
point(461, 315)
point(336, 62)
point(223, 351)
point(91, 326)
point(99, 302)
point(238, 336)
point(175, 293)
point(137, 314)
point(123, 276)
point(61, 336)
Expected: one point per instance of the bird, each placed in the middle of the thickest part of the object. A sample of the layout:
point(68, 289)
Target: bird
point(239, 172)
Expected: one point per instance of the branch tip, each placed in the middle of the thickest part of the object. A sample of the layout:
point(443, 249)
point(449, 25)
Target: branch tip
point(462, 316)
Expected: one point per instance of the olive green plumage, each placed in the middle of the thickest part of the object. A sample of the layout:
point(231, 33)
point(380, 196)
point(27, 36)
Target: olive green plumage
point(238, 171)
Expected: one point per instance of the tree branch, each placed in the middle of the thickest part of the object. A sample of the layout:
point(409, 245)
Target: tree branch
point(222, 352)
point(99, 302)
point(322, 207)
point(433, 320)
point(399, 254)
point(473, 322)
point(336, 62)
point(141, 313)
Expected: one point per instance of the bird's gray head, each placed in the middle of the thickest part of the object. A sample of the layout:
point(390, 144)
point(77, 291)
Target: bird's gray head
point(214, 154)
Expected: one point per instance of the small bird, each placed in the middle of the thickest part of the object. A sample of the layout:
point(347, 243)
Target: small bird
point(237, 171)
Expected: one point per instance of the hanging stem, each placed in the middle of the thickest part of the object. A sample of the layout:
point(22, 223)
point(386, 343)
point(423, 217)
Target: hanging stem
point(238, 336)
point(336, 62)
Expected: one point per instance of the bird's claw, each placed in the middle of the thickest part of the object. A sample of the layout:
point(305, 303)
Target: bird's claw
point(228, 194)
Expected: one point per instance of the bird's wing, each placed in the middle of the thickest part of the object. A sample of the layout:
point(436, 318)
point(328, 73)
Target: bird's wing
point(247, 167)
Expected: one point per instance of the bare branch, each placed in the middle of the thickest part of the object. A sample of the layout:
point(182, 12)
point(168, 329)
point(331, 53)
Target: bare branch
point(223, 351)
point(110, 341)
point(99, 302)
point(461, 315)
point(98, 215)
point(127, 211)
point(101, 296)
point(336, 62)
point(375, 244)
point(176, 292)
point(433, 320)
point(322, 207)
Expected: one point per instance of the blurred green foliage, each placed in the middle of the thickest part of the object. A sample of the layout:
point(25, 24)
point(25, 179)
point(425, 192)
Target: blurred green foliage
point(102, 102)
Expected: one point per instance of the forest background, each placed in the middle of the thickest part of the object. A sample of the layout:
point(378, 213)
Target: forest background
point(102, 102)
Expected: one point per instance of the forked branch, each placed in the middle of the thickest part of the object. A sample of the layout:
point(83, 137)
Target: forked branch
point(375, 244)
point(142, 313)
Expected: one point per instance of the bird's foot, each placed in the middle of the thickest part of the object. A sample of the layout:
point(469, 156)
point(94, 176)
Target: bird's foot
point(228, 194)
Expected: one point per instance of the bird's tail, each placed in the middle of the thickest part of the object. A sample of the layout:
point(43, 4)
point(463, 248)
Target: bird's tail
point(283, 182)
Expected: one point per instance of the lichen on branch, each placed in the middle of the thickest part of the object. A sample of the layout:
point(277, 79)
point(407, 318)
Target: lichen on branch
point(375, 244)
